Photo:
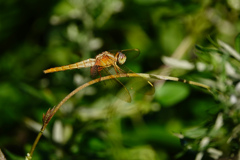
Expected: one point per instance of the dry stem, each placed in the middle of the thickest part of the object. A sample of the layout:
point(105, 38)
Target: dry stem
point(50, 113)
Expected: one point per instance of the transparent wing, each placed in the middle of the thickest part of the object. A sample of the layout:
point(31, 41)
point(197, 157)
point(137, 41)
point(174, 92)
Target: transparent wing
point(130, 53)
point(128, 86)
point(118, 87)
point(138, 84)
point(113, 83)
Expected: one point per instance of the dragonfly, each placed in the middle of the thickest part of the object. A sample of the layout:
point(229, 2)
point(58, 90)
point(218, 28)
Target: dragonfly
point(103, 62)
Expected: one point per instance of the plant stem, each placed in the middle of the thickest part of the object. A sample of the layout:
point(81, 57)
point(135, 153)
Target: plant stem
point(50, 113)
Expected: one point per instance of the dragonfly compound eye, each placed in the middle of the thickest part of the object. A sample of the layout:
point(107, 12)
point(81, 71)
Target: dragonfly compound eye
point(121, 58)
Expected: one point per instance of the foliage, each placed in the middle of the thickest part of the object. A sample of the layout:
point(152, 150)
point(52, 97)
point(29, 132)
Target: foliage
point(218, 136)
point(36, 35)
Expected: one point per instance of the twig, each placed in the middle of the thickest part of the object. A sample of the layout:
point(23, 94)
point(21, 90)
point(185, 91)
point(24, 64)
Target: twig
point(50, 113)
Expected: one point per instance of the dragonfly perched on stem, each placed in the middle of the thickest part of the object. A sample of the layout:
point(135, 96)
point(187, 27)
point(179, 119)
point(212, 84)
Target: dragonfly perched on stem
point(103, 63)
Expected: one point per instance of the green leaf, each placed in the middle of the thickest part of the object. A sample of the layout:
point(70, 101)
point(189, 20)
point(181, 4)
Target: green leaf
point(13, 156)
point(172, 93)
point(207, 50)
point(237, 43)
point(213, 42)
point(195, 132)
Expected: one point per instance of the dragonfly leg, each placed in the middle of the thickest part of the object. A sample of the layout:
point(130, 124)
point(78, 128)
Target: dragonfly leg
point(118, 69)
point(99, 75)
point(99, 72)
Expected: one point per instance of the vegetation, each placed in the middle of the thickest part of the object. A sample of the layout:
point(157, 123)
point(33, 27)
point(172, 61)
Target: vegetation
point(193, 40)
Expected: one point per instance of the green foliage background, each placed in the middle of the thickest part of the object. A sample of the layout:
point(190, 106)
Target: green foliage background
point(37, 35)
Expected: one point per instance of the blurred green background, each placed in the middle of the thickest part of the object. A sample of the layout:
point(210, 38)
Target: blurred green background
point(37, 35)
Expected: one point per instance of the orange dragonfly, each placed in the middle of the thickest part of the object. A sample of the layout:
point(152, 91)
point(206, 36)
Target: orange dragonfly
point(103, 62)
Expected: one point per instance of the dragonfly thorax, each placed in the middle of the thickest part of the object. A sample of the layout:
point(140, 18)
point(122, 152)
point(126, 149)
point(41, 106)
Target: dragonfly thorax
point(121, 58)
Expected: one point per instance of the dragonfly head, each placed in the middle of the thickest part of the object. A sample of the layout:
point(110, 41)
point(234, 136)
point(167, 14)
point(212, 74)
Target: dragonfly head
point(121, 58)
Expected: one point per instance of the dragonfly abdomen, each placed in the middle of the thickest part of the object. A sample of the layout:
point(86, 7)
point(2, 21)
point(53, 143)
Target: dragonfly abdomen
point(83, 64)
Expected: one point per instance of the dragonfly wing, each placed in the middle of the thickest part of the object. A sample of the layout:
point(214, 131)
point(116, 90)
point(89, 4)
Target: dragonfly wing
point(100, 68)
point(118, 87)
point(108, 66)
point(97, 67)
point(138, 84)
point(141, 85)
point(94, 71)
point(130, 53)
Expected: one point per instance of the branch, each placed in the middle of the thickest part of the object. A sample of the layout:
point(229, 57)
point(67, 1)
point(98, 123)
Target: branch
point(50, 113)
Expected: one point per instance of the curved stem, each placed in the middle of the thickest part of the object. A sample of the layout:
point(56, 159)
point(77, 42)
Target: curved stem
point(50, 113)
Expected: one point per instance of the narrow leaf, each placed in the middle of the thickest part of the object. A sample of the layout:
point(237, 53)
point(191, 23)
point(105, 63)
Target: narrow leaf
point(208, 50)
point(230, 50)
point(237, 43)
